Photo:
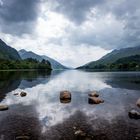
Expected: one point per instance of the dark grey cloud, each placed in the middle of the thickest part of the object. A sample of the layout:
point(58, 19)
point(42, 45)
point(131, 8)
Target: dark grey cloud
point(76, 10)
point(124, 11)
point(127, 12)
point(17, 16)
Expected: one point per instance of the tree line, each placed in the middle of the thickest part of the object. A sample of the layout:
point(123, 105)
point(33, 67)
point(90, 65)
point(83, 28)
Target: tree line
point(25, 64)
point(131, 63)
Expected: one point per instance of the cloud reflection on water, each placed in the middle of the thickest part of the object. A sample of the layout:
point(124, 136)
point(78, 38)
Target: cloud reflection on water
point(45, 97)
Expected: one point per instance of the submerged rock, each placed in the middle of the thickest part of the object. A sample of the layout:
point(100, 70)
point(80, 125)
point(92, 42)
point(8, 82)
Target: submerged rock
point(65, 95)
point(3, 107)
point(95, 100)
point(23, 94)
point(133, 114)
point(16, 94)
point(80, 133)
point(74, 127)
point(138, 102)
point(94, 94)
point(22, 138)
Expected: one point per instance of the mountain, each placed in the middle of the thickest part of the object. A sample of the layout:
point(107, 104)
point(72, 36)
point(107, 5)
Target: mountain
point(129, 63)
point(25, 54)
point(54, 63)
point(29, 54)
point(112, 57)
point(7, 52)
point(117, 54)
point(129, 59)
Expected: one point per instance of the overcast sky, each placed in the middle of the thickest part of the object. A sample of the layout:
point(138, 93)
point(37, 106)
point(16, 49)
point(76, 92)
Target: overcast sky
point(73, 32)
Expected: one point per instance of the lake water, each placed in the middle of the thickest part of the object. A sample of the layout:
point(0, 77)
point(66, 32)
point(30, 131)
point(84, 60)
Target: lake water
point(41, 116)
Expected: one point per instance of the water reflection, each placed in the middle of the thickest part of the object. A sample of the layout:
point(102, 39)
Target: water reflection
point(8, 82)
point(127, 80)
point(11, 80)
point(20, 122)
point(44, 96)
point(93, 129)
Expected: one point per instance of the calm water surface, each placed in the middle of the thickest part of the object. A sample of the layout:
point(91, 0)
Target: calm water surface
point(41, 116)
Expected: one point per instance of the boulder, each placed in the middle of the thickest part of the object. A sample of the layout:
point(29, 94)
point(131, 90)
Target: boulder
point(94, 94)
point(95, 100)
point(138, 102)
point(65, 95)
point(3, 107)
point(134, 114)
point(23, 94)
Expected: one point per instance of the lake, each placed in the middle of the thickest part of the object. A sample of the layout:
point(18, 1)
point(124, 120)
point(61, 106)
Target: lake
point(42, 116)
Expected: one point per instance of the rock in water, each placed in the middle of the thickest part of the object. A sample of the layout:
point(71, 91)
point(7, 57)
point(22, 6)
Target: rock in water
point(94, 94)
point(15, 94)
point(3, 107)
point(65, 95)
point(95, 100)
point(80, 133)
point(133, 114)
point(138, 102)
point(22, 138)
point(23, 94)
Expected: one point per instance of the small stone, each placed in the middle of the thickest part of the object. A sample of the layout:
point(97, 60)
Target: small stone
point(80, 133)
point(74, 127)
point(22, 138)
point(3, 107)
point(15, 94)
point(138, 102)
point(23, 94)
point(133, 114)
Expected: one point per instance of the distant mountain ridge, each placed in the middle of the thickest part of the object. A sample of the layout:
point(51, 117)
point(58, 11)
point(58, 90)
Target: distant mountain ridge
point(117, 54)
point(29, 54)
point(112, 57)
point(7, 52)
point(55, 64)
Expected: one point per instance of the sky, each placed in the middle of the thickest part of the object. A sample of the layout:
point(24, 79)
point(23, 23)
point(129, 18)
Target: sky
point(73, 32)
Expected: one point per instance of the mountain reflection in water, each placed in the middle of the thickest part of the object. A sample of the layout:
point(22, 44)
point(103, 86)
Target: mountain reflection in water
point(56, 120)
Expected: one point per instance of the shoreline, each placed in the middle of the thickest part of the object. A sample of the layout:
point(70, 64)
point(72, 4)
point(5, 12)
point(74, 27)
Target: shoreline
point(28, 70)
point(86, 70)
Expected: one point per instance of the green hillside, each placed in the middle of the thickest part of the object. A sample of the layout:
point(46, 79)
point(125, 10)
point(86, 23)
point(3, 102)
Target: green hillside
point(10, 59)
point(29, 54)
point(130, 63)
point(111, 58)
point(7, 52)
